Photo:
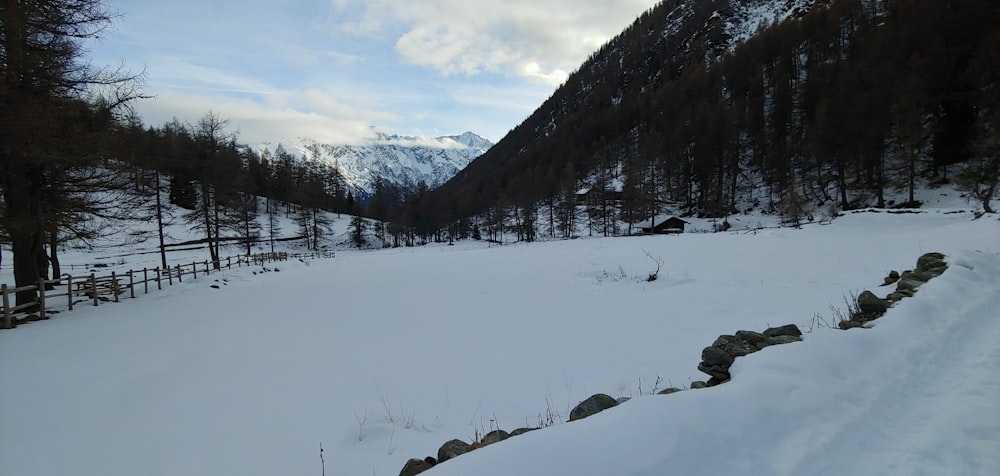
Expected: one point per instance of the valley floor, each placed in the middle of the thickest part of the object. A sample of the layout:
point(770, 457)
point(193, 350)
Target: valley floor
point(381, 356)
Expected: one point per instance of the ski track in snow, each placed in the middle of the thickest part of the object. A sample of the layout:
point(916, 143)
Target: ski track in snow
point(932, 380)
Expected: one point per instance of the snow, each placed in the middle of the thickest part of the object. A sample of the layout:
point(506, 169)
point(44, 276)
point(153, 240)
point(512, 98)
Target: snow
point(403, 160)
point(915, 395)
point(423, 345)
point(751, 17)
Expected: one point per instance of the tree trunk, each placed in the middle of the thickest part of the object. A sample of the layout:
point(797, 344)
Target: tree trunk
point(53, 251)
point(22, 185)
point(912, 172)
point(552, 218)
point(218, 239)
point(246, 229)
point(24, 247)
point(842, 184)
point(880, 179)
point(990, 185)
point(733, 185)
point(159, 221)
point(206, 217)
point(315, 225)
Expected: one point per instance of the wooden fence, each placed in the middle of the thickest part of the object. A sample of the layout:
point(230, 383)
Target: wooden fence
point(74, 290)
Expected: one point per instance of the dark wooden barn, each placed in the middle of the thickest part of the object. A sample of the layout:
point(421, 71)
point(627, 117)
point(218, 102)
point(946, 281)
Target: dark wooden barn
point(667, 226)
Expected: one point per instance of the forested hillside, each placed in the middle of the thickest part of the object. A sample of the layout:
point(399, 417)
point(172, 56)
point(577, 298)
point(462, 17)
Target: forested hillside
point(700, 108)
point(834, 106)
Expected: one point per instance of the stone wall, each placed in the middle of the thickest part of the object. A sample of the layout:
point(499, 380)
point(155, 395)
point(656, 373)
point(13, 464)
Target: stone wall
point(717, 358)
point(870, 307)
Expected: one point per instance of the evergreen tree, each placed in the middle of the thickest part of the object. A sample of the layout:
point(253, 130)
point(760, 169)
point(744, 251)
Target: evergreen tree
point(273, 225)
point(358, 225)
point(215, 163)
point(49, 122)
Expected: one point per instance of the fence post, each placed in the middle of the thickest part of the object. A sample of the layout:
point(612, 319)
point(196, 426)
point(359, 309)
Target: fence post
point(6, 306)
point(93, 287)
point(41, 298)
point(194, 269)
point(229, 262)
point(69, 291)
point(131, 285)
point(180, 274)
point(145, 281)
point(114, 285)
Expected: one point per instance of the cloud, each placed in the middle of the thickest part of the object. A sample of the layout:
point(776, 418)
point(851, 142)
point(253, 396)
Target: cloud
point(174, 72)
point(331, 69)
point(538, 41)
point(280, 116)
point(534, 71)
point(419, 140)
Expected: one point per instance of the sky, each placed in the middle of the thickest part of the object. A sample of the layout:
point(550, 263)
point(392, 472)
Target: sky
point(337, 71)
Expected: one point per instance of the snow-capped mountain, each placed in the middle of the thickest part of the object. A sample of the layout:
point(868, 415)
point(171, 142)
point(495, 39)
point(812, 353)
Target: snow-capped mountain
point(403, 160)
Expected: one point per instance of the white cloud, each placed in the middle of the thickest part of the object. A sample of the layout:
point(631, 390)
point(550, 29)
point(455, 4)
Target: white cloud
point(331, 69)
point(177, 73)
point(534, 71)
point(539, 41)
point(421, 140)
point(273, 117)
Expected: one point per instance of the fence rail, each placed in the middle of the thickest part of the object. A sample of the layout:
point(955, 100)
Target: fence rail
point(94, 289)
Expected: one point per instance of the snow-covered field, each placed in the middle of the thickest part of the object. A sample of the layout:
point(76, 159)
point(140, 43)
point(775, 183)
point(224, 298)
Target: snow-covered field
point(381, 356)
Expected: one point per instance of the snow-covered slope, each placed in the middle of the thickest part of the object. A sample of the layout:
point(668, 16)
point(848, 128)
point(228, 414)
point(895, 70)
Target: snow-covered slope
point(403, 160)
point(917, 394)
point(737, 21)
point(750, 16)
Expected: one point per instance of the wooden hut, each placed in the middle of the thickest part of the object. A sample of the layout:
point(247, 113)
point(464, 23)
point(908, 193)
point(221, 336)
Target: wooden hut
point(668, 225)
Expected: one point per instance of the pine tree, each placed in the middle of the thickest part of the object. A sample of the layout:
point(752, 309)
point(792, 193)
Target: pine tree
point(49, 122)
point(215, 163)
point(273, 225)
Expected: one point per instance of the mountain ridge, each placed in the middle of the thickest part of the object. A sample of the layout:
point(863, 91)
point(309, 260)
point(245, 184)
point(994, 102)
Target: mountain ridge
point(667, 40)
point(406, 161)
point(787, 106)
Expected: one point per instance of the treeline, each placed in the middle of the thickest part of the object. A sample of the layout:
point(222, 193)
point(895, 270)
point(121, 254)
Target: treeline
point(835, 107)
point(207, 153)
point(55, 114)
point(832, 108)
point(219, 181)
point(74, 159)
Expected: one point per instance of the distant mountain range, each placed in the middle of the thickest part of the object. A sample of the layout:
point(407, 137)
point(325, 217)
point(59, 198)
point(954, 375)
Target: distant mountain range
point(401, 160)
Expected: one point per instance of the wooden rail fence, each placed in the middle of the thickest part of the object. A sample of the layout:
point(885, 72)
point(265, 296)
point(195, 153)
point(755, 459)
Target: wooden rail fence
point(94, 289)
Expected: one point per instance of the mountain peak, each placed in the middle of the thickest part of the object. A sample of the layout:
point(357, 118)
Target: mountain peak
point(399, 159)
point(466, 140)
point(471, 140)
